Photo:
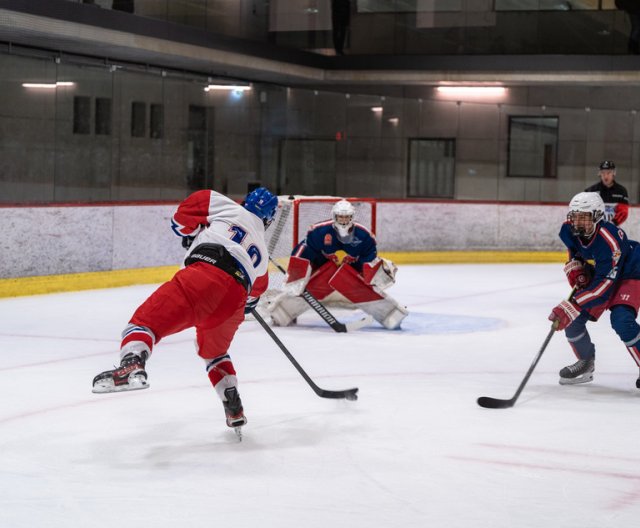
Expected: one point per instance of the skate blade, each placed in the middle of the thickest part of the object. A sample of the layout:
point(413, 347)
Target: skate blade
point(576, 381)
point(238, 432)
point(137, 383)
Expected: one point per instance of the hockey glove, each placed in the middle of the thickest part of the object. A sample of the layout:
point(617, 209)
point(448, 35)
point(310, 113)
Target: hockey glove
point(622, 212)
point(380, 272)
point(251, 304)
point(332, 257)
point(187, 241)
point(578, 273)
point(564, 314)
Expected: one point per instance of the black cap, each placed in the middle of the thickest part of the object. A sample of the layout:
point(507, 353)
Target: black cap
point(607, 165)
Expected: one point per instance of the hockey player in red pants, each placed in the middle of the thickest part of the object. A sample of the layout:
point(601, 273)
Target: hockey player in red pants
point(224, 273)
point(357, 280)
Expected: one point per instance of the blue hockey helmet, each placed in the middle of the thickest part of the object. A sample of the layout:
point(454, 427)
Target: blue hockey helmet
point(262, 203)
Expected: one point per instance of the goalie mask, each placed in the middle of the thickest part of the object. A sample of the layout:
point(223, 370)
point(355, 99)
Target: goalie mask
point(343, 213)
point(586, 209)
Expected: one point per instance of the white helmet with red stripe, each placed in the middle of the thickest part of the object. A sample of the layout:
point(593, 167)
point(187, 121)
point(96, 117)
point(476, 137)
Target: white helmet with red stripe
point(585, 202)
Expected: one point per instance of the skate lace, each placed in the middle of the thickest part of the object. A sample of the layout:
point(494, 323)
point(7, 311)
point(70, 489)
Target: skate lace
point(579, 366)
point(131, 360)
point(233, 404)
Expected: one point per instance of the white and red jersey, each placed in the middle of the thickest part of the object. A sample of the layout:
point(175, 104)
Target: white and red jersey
point(212, 218)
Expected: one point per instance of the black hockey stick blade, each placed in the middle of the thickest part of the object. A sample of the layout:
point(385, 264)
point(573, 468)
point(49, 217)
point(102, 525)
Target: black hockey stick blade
point(495, 403)
point(347, 394)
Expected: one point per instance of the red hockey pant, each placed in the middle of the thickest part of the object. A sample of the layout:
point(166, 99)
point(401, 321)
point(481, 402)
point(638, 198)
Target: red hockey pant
point(199, 295)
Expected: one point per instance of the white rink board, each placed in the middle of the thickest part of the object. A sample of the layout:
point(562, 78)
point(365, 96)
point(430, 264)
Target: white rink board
point(59, 240)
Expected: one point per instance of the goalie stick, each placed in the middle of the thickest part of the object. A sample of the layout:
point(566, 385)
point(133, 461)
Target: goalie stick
point(347, 394)
point(326, 315)
point(497, 403)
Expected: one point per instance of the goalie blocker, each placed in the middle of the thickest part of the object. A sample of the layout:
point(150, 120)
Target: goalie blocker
point(333, 283)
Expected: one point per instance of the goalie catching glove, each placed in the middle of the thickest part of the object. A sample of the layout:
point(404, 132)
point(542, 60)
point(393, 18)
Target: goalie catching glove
point(578, 273)
point(379, 272)
point(564, 314)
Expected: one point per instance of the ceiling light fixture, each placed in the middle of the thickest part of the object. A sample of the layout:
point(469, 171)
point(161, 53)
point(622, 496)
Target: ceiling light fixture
point(228, 87)
point(472, 91)
point(47, 85)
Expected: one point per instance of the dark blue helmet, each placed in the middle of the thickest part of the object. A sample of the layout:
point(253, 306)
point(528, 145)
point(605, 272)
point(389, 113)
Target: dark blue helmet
point(262, 203)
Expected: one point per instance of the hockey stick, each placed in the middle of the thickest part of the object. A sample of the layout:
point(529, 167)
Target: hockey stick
point(496, 403)
point(326, 315)
point(347, 394)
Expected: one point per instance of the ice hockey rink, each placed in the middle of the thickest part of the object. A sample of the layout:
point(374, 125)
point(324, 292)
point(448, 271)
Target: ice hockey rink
point(414, 451)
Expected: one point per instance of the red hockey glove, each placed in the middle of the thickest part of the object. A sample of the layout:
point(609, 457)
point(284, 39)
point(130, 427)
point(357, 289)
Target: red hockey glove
point(564, 314)
point(622, 212)
point(578, 273)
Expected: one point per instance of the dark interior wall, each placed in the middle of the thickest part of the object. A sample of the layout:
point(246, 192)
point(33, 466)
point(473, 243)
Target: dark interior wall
point(228, 140)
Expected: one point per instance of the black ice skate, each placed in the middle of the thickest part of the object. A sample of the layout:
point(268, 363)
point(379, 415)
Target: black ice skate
point(580, 372)
point(130, 375)
point(638, 383)
point(233, 408)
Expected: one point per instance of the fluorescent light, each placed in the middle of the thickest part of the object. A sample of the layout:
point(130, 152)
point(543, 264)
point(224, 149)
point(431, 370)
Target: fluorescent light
point(472, 91)
point(228, 87)
point(47, 85)
point(394, 120)
point(376, 109)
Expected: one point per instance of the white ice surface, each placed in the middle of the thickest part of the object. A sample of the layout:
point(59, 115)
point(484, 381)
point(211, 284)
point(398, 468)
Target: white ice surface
point(414, 451)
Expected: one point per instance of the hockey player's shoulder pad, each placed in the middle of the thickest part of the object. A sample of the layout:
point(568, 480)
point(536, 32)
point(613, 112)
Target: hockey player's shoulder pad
point(192, 214)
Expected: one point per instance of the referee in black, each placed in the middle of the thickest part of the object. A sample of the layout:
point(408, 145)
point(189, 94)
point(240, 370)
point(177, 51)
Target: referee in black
point(614, 195)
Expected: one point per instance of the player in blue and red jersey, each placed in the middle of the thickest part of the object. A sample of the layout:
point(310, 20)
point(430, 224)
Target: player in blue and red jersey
point(358, 278)
point(611, 283)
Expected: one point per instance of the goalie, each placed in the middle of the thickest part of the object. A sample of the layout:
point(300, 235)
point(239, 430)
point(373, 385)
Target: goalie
point(357, 279)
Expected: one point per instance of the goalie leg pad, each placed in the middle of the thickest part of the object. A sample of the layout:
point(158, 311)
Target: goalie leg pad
point(386, 311)
point(378, 304)
point(349, 283)
point(298, 275)
point(318, 284)
point(285, 308)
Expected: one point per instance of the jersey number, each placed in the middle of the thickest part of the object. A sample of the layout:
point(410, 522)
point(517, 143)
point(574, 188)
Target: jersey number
point(238, 236)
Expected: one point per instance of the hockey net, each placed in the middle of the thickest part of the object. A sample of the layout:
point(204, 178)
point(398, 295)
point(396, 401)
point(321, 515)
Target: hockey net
point(296, 214)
